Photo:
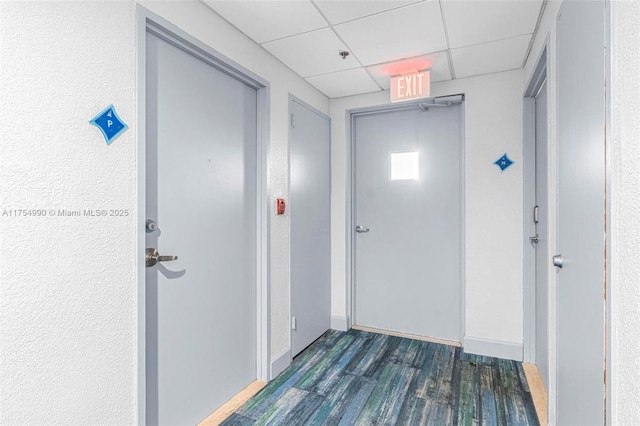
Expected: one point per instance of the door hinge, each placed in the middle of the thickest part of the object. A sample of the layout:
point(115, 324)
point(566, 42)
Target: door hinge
point(294, 323)
point(293, 120)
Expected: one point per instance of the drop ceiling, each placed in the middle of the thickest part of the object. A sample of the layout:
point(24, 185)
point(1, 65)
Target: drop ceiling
point(451, 38)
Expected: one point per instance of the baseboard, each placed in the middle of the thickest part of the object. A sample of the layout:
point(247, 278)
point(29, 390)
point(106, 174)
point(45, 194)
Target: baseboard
point(495, 348)
point(340, 323)
point(407, 335)
point(280, 363)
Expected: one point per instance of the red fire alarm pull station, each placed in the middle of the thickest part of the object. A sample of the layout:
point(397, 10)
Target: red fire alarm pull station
point(280, 206)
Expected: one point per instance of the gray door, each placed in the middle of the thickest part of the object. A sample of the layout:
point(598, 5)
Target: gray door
point(541, 221)
point(310, 215)
point(408, 217)
point(201, 193)
point(581, 213)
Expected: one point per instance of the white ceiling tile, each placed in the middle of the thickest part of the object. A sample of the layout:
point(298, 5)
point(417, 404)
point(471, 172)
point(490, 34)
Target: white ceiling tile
point(312, 53)
point(387, 36)
point(267, 20)
point(344, 83)
point(437, 63)
point(396, 34)
point(475, 22)
point(347, 10)
point(501, 55)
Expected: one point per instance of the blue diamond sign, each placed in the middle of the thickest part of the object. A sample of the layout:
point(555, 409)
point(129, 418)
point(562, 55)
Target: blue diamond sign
point(504, 162)
point(109, 123)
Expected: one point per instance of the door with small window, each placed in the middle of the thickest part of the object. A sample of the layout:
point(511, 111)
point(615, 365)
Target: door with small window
point(408, 220)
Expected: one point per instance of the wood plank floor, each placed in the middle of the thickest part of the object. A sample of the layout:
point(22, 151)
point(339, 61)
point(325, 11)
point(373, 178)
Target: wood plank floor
point(229, 407)
point(538, 391)
point(362, 378)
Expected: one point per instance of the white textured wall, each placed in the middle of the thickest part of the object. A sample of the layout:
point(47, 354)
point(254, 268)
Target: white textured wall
point(68, 286)
point(493, 126)
point(625, 214)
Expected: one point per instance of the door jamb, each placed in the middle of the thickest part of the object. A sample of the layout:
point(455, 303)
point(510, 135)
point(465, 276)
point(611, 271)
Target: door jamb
point(537, 78)
point(147, 20)
point(350, 219)
point(292, 99)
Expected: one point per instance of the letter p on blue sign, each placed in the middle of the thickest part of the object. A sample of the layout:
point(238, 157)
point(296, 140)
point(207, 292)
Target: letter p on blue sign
point(109, 124)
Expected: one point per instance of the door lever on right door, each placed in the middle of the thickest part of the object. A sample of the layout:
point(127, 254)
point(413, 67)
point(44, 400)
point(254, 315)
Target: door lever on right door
point(361, 229)
point(558, 261)
point(534, 240)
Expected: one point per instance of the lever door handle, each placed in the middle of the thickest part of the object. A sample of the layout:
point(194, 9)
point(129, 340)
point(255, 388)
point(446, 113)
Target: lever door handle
point(535, 240)
point(151, 257)
point(361, 229)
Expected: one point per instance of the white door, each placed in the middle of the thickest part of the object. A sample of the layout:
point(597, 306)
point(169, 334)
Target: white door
point(310, 215)
point(201, 201)
point(408, 216)
point(541, 222)
point(581, 213)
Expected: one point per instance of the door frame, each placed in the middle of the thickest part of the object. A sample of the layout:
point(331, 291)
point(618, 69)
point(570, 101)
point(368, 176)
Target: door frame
point(350, 219)
point(292, 99)
point(147, 20)
point(611, 244)
point(538, 76)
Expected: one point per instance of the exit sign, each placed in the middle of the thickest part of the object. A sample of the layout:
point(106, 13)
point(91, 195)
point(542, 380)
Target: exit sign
point(410, 86)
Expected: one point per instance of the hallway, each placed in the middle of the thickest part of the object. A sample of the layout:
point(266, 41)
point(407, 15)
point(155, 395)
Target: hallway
point(210, 168)
point(364, 378)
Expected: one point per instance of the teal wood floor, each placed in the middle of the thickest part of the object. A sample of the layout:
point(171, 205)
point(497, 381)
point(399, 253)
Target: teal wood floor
point(361, 378)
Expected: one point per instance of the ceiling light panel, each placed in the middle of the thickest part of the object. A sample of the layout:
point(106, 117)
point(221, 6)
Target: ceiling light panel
point(491, 57)
point(348, 10)
point(317, 52)
point(475, 22)
point(408, 31)
point(344, 83)
point(269, 20)
point(437, 64)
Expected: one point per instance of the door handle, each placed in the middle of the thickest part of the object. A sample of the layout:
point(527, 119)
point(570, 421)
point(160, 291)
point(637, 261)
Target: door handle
point(535, 240)
point(151, 257)
point(361, 229)
point(558, 261)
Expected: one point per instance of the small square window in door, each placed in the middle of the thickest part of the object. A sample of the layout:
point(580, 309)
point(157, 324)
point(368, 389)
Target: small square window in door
point(404, 166)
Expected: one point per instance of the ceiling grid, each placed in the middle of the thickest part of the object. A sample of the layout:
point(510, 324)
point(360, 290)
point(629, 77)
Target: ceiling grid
point(452, 38)
point(446, 36)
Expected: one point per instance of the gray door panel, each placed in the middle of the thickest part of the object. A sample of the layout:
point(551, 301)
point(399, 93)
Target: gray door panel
point(201, 192)
point(310, 212)
point(581, 213)
point(407, 267)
